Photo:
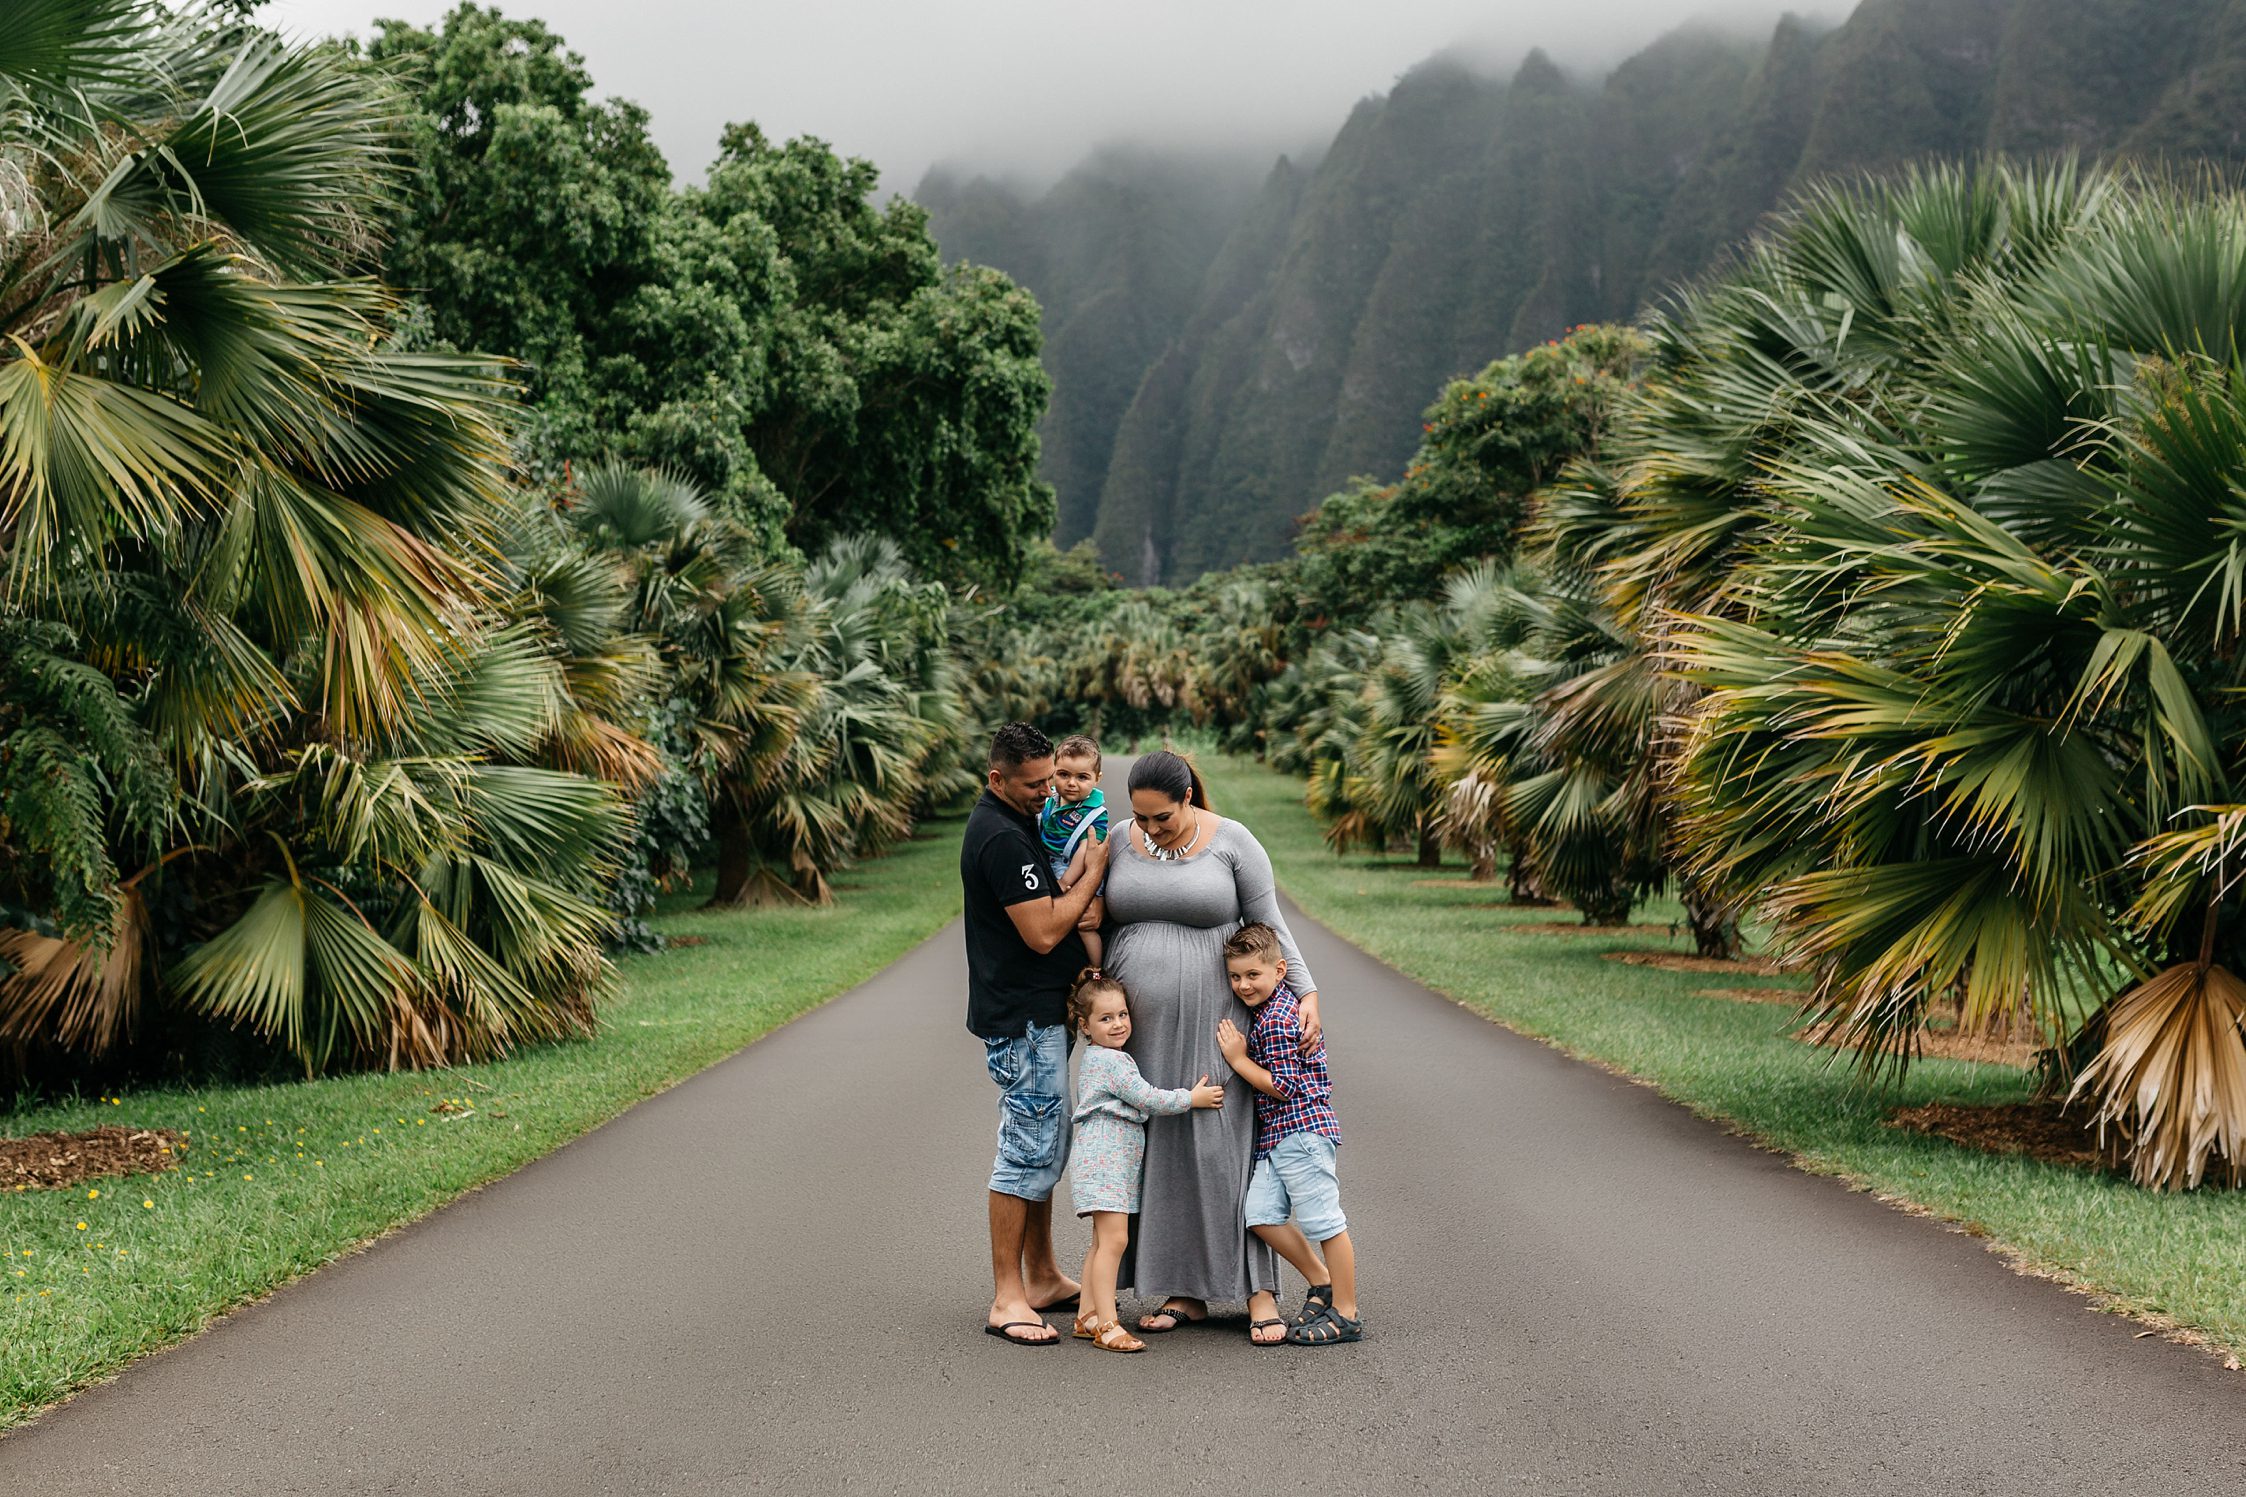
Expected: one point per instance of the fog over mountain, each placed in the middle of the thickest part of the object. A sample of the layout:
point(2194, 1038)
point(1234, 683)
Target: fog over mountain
point(1025, 87)
point(1228, 348)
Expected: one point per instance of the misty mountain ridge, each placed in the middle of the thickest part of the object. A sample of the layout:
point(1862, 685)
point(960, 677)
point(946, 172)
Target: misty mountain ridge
point(1228, 346)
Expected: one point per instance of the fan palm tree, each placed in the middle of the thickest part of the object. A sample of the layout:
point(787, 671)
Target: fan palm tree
point(874, 718)
point(1973, 723)
point(1538, 745)
point(254, 537)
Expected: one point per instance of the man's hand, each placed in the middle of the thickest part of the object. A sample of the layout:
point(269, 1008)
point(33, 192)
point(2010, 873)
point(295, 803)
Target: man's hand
point(1095, 856)
point(1231, 1041)
point(1307, 1004)
point(1095, 914)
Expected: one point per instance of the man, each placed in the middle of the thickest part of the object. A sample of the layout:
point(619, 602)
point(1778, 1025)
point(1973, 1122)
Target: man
point(1022, 953)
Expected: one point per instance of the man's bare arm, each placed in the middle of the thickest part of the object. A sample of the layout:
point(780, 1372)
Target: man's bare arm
point(1045, 923)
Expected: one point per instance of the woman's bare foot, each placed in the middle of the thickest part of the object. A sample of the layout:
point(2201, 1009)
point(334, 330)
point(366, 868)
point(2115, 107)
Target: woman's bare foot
point(1265, 1328)
point(1175, 1312)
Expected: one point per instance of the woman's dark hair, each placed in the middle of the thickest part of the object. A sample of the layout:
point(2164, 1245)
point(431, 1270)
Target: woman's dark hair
point(1016, 744)
point(1089, 984)
point(1169, 774)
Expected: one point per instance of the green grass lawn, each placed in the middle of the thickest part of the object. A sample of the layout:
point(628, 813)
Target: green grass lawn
point(2182, 1258)
point(281, 1179)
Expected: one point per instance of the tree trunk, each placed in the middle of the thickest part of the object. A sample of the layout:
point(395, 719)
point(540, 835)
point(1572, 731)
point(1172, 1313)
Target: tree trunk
point(1485, 864)
point(1715, 930)
point(736, 853)
point(1610, 906)
point(1430, 846)
point(1521, 886)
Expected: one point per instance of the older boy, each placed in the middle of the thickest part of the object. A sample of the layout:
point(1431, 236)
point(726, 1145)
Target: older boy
point(1297, 1134)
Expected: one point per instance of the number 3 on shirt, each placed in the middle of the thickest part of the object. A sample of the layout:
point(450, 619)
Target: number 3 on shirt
point(1029, 875)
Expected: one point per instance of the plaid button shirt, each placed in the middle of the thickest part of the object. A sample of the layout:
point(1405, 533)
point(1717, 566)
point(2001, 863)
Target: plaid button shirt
point(1304, 1103)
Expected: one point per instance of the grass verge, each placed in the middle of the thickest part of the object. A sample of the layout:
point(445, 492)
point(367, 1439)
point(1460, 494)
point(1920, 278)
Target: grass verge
point(2176, 1259)
point(279, 1180)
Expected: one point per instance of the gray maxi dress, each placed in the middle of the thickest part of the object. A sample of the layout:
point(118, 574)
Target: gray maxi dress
point(1190, 1238)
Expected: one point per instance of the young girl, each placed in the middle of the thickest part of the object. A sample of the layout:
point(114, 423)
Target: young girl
point(1113, 1103)
point(1075, 814)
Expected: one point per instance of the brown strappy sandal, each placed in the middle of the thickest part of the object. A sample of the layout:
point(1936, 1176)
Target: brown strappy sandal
point(1087, 1325)
point(1109, 1335)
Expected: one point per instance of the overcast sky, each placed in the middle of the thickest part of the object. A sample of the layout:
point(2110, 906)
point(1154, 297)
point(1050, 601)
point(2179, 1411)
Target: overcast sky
point(1028, 86)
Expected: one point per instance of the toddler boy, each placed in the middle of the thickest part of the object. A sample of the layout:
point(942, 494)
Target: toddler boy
point(1075, 815)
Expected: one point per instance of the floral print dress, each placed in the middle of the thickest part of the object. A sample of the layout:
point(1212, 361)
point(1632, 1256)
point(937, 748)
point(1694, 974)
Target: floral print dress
point(1113, 1102)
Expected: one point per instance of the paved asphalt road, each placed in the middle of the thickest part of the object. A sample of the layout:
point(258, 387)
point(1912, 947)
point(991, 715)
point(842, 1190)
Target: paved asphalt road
point(771, 1279)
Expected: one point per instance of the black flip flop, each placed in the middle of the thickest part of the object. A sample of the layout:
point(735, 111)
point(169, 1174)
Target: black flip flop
point(1065, 1302)
point(1257, 1325)
point(1000, 1332)
point(1179, 1318)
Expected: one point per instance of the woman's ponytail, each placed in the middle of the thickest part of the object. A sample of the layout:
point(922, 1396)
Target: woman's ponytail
point(1172, 775)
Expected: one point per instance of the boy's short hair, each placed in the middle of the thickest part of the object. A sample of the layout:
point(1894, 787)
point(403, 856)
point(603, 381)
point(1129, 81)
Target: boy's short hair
point(1077, 745)
point(1254, 939)
point(1016, 744)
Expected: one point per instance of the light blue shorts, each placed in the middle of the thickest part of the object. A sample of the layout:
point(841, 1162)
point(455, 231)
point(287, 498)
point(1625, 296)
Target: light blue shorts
point(1032, 1077)
point(1297, 1178)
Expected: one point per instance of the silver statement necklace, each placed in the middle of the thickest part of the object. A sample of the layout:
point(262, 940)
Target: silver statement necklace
point(1173, 854)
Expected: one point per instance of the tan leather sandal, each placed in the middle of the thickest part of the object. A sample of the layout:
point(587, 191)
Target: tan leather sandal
point(1087, 1324)
point(1109, 1335)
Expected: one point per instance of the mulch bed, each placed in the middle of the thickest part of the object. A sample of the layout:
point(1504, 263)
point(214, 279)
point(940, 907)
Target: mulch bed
point(49, 1161)
point(1791, 997)
point(686, 940)
point(1943, 1044)
point(1676, 961)
point(1573, 927)
point(2036, 1129)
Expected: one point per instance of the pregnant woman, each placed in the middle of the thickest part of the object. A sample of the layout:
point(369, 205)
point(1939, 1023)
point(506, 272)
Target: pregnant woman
point(1183, 880)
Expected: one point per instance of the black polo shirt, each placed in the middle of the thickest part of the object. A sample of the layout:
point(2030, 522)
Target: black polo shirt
point(1009, 986)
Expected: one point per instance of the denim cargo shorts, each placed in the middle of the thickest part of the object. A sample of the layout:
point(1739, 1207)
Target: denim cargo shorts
point(1032, 1077)
point(1297, 1178)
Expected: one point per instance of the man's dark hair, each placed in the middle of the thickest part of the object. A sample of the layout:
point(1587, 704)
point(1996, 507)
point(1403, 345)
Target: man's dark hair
point(1016, 744)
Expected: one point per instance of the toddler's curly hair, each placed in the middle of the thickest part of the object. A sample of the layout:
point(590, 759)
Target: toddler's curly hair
point(1089, 984)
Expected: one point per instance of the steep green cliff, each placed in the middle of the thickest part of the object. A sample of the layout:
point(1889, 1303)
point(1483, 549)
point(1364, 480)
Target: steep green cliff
point(1117, 252)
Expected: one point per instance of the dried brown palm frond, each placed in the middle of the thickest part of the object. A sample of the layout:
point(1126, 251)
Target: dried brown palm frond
point(78, 993)
point(588, 744)
point(2171, 1079)
point(1473, 821)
